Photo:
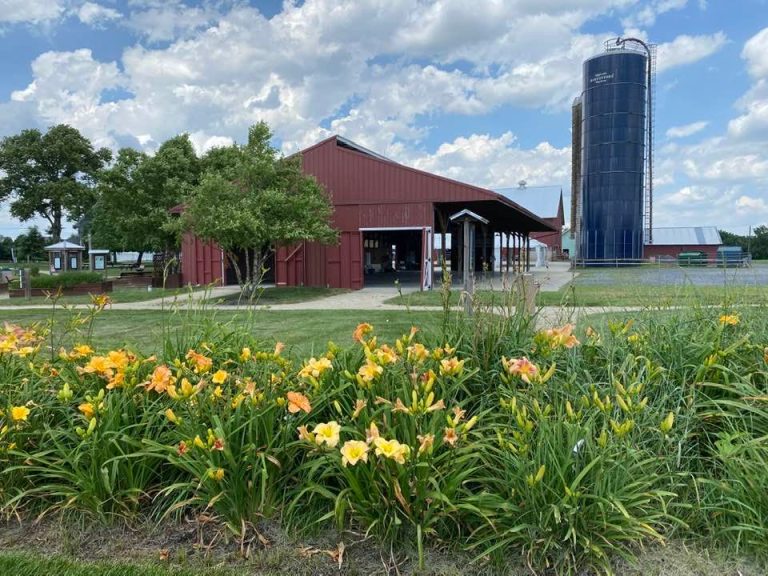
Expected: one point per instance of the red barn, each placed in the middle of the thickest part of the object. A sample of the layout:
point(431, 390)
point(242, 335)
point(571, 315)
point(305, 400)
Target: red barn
point(387, 214)
point(670, 242)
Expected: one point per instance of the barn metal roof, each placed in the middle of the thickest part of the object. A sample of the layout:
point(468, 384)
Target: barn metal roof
point(681, 236)
point(354, 175)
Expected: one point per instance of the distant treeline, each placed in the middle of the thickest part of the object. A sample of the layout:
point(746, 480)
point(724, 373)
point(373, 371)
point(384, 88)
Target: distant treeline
point(756, 243)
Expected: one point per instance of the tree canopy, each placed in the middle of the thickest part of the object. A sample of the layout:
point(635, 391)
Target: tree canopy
point(251, 200)
point(49, 175)
point(137, 192)
point(756, 243)
point(31, 246)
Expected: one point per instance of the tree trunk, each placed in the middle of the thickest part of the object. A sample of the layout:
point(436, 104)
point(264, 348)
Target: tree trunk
point(248, 272)
point(260, 256)
point(139, 258)
point(56, 225)
point(238, 274)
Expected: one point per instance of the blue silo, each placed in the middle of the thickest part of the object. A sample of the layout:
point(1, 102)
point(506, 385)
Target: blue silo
point(613, 155)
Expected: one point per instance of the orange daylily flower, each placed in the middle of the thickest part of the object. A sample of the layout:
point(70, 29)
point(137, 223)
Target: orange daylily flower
point(359, 407)
point(425, 443)
point(297, 402)
point(361, 330)
point(520, 367)
point(450, 436)
point(201, 362)
point(161, 379)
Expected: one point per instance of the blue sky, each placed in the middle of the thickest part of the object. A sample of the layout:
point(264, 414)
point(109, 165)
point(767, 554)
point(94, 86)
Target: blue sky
point(479, 91)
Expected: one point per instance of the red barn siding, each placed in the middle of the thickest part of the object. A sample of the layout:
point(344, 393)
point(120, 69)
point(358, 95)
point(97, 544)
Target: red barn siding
point(201, 262)
point(656, 250)
point(355, 178)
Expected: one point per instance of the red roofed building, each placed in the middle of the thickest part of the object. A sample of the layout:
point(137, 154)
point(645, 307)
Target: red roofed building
point(386, 214)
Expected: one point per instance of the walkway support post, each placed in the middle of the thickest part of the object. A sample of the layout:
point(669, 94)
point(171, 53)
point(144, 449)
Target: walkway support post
point(468, 219)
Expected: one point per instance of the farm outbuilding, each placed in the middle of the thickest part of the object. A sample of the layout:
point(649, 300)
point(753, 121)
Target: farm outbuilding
point(387, 215)
point(669, 243)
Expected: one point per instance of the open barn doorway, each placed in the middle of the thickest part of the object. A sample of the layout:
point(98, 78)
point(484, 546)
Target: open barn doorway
point(402, 254)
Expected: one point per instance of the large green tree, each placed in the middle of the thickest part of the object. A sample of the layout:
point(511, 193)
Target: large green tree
point(49, 175)
point(31, 246)
point(251, 200)
point(137, 192)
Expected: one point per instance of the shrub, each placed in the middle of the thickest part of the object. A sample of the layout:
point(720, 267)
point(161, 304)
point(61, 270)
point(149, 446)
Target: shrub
point(66, 280)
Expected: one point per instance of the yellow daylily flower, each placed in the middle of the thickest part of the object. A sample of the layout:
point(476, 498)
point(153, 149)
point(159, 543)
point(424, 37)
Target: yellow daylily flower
point(315, 367)
point(729, 319)
point(392, 449)
point(369, 371)
point(354, 451)
point(171, 416)
point(451, 366)
point(19, 413)
point(217, 474)
point(327, 433)
point(667, 423)
point(87, 410)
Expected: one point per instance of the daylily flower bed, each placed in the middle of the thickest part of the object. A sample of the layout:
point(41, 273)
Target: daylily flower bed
point(567, 451)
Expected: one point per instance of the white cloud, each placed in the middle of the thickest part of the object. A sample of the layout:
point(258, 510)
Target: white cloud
point(647, 14)
point(686, 129)
point(170, 19)
point(755, 52)
point(752, 124)
point(498, 162)
point(68, 87)
point(751, 205)
point(31, 11)
point(204, 142)
point(96, 15)
point(686, 49)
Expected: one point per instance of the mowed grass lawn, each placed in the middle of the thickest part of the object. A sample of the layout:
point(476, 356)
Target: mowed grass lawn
point(119, 296)
point(642, 287)
point(282, 295)
point(307, 331)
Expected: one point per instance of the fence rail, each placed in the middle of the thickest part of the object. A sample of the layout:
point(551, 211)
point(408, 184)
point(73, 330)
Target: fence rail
point(743, 261)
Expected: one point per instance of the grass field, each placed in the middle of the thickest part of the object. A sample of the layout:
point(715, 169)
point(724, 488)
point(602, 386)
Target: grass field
point(644, 287)
point(282, 295)
point(119, 296)
point(303, 330)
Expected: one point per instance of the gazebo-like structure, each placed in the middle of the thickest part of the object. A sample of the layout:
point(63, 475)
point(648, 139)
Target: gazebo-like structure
point(64, 256)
